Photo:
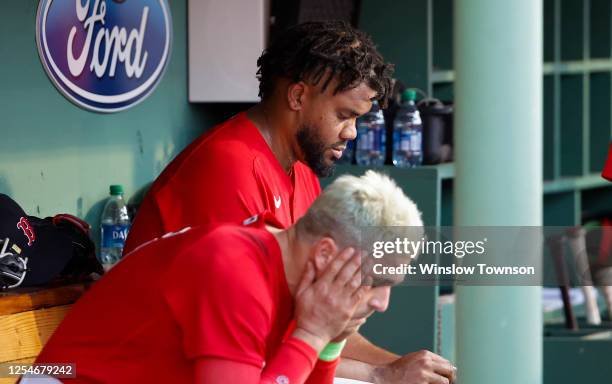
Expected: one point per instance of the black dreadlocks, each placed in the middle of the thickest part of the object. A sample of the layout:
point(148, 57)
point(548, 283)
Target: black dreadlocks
point(307, 51)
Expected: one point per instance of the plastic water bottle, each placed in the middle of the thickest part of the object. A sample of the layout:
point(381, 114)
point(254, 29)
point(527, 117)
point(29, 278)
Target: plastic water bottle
point(408, 133)
point(349, 152)
point(114, 227)
point(371, 138)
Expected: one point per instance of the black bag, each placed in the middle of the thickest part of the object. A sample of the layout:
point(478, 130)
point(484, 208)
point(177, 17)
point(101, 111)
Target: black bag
point(35, 251)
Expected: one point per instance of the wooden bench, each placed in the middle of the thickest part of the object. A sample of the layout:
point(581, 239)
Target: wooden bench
point(28, 318)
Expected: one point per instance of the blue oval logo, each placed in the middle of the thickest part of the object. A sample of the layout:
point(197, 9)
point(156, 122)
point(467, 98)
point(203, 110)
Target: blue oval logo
point(104, 55)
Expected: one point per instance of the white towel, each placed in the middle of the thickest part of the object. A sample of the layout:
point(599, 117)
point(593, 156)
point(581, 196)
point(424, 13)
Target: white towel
point(349, 381)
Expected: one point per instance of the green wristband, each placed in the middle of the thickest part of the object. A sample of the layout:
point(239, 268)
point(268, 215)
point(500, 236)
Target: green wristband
point(332, 351)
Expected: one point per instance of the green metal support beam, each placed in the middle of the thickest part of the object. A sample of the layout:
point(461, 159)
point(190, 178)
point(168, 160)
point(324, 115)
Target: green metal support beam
point(498, 140)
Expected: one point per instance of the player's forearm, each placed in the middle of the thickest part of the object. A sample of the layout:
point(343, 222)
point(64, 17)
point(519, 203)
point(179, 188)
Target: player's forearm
point(356, 370)
point(360, 349)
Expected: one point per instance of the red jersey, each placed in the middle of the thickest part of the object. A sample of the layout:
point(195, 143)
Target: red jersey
point(195, 295)
point(227, 175)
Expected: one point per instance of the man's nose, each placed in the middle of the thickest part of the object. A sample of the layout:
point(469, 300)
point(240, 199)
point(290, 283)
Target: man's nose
point(380, 301)
point(349, 132)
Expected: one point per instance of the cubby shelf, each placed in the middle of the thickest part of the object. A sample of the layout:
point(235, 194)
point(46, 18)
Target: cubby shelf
point(564, 184)
point(440, 76)
point(562, 68)
point(577, 90)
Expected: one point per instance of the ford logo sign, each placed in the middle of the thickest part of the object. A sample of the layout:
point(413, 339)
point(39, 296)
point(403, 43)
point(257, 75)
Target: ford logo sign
point(104, 55)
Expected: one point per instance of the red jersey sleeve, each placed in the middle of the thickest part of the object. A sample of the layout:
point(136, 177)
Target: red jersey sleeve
point(214, 185)
point(323, 372)
point(147, 226)
point(222, 304)
point(292, 363)
point(218, 185)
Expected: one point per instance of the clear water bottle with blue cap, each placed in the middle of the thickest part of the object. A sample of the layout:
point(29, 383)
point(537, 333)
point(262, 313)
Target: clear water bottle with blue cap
point(408, 133)
point(371, 138)
point(114, 227)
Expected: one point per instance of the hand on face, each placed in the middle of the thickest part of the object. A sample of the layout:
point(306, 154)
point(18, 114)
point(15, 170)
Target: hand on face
point(375, 299)
point(326, 304)
point(351, 328)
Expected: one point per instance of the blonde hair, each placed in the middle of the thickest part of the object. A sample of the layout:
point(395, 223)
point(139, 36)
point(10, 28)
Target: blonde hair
point(352, 203)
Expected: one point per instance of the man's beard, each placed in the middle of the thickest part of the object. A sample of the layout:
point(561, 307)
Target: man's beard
point(313, 149)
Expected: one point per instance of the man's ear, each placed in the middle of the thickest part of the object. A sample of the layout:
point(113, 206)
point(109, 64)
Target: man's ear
point(296, 93)
point(324, 251)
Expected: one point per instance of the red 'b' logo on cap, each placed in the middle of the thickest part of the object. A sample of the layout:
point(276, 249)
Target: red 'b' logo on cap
point(25, 226)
